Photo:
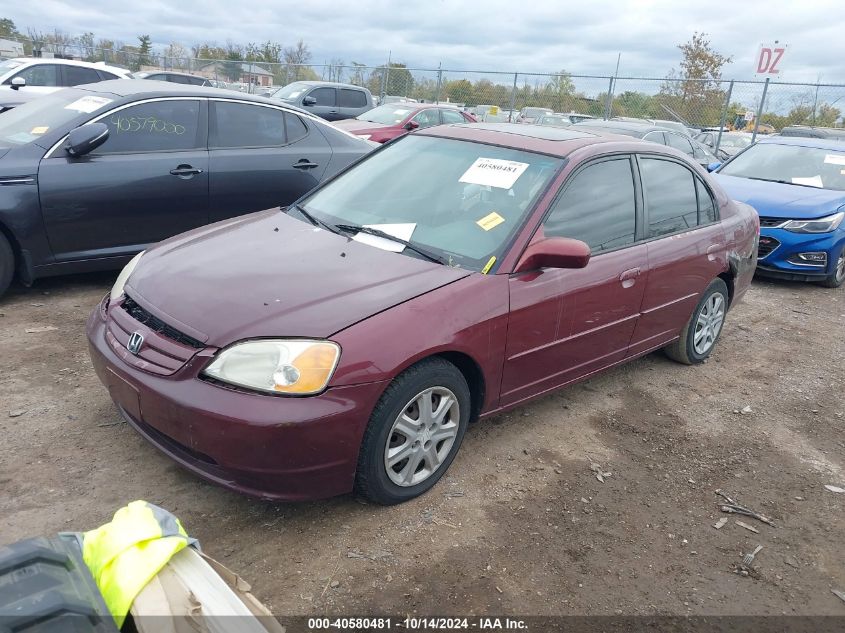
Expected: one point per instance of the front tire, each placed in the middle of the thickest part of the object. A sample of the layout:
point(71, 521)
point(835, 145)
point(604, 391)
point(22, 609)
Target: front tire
point(838, 277)
point(414, 433)
point(699, 336)
point(7, 264)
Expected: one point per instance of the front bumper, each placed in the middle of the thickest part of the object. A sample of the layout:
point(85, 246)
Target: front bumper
point(778, 262)
point(279, 448)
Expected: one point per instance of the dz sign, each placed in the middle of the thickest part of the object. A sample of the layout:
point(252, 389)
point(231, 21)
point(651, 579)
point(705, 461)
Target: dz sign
point(769, 59)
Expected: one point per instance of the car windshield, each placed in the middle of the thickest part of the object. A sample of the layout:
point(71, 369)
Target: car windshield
point(291, 91)
point(459, 200)
point(535, 112)
point(29, 121)
point(795, 164)
point(735, 141)
point(9, 64)
point(554, 120)
point(386, 114)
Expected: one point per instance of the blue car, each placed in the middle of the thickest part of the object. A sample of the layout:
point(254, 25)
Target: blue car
point(797, 186)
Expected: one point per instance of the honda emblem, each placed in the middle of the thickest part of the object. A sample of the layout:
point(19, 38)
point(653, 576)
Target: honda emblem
point(135, 342)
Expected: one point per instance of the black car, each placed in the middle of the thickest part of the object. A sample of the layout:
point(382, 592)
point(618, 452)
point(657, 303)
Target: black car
point(650, 132)
point(173, 77)
point(89, 176)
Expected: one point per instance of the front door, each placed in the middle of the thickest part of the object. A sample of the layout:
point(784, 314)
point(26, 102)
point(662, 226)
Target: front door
point(261, 157)
point(565, 324)
point(147, 182)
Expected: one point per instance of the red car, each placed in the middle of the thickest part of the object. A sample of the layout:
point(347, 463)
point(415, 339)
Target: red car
point(345, 343)
point(388, 121)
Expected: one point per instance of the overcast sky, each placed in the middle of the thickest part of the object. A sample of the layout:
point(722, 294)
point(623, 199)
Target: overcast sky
point(538, 36)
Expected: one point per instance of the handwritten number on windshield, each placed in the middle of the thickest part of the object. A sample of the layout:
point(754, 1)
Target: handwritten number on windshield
point(149, 124)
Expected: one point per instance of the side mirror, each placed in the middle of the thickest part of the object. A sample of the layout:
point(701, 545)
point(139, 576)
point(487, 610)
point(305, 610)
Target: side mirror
point(713, 166)
point(411, 125)
point(18, 83)
point(309, 101)
point(86, 138)
point(554, 252)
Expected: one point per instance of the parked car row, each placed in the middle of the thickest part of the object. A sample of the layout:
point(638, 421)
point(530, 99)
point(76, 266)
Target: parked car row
point(381, 299)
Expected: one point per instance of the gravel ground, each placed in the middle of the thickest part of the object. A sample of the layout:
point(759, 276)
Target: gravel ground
point(520, 524)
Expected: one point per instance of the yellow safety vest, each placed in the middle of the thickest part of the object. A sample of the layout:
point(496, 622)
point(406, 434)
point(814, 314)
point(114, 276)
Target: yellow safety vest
point(124, 555)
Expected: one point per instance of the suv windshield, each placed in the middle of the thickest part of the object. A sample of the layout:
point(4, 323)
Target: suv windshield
point(729, 140)
point(794, 164)
point(31, 120)
point(386, 114)
point(291, 91)
point(460, 200)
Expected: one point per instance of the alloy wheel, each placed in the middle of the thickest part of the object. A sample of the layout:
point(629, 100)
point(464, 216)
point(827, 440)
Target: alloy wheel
point(422, 436)
point(709, 323)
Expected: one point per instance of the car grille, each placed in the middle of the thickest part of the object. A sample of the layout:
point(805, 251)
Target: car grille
point(770, 222)
point(767, 245)
point(157, 325)
point(164, 350)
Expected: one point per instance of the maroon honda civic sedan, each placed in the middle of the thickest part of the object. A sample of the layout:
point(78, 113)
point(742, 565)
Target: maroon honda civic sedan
point(346, 342)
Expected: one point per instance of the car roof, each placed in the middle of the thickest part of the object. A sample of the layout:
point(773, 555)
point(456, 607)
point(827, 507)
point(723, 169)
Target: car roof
point(154, 88)
point(803, 141)
point(66, 62)
point(555, 141)
point(309, 82)
point(169, 72)
point(629, 128)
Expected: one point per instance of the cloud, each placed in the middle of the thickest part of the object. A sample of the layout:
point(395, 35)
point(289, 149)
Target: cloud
point(495, 35)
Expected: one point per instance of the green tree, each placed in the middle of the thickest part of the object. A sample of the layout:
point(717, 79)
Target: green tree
point(394, 79)
point(8, 29)
point(562, 89)
point(145, 49)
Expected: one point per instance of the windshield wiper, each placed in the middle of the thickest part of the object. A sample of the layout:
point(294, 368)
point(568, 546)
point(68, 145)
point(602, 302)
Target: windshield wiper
point(312, 219)
point(354, 228)
point(784, 182)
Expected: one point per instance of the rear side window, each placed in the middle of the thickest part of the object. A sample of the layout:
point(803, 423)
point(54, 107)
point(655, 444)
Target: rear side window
point(157, 126)
point(670, 195)
point(296, 128)
point(706, 204)
point(324, 96)
point(450, 116)
point(75, 75)
point(104, 76)
point(597, 207)
point(240, 125)
point(678, 142)
point(348, 98)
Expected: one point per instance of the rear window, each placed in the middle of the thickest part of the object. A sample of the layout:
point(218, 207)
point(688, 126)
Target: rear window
point(348, 98)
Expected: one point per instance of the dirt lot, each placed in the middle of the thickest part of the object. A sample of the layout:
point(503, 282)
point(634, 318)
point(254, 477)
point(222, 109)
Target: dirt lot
point(520, 524)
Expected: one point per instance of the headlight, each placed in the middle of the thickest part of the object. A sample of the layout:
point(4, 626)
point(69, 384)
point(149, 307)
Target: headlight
point(117, 288)
point(366, 137)
point(301, 367)
point(821, 225)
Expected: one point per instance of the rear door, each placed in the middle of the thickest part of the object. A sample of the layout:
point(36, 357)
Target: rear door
point(147, 182)
point(686, 248)
point(78, 75)
point(565, 324)
point(261, 157)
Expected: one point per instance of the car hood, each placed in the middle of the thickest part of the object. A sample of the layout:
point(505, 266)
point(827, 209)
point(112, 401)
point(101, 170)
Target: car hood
point(356, 126)
point(4, 151)
point(777, 200)
point(268, 274)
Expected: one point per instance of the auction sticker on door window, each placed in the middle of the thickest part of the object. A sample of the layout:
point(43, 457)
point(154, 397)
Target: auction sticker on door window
point(88, 104)
point(494, 172)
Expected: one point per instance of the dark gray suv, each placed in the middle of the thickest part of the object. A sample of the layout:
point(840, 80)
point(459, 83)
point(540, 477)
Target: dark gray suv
point(331, 101)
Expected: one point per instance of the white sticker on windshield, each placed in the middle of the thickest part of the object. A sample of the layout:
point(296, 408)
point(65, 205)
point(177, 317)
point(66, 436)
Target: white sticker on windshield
point(402, 231)
point(494, 172)
point(88, 104)
point(835, 159)
point(813, 181)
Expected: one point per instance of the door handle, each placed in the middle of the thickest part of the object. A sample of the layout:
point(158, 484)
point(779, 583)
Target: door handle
point(629, 277)
point(185, 171)
point(304, 163)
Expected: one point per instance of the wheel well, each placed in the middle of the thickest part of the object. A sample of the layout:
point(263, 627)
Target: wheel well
point(728, 277)
point(16, 248)
point(474, 377)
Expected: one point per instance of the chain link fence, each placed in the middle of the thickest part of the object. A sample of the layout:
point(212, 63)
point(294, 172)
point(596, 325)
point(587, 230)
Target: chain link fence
point(759, 106)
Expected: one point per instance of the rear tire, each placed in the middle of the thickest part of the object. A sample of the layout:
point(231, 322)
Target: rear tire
point(699, 336)
point(838, 277)
point(7, 264)
point(414, 433)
